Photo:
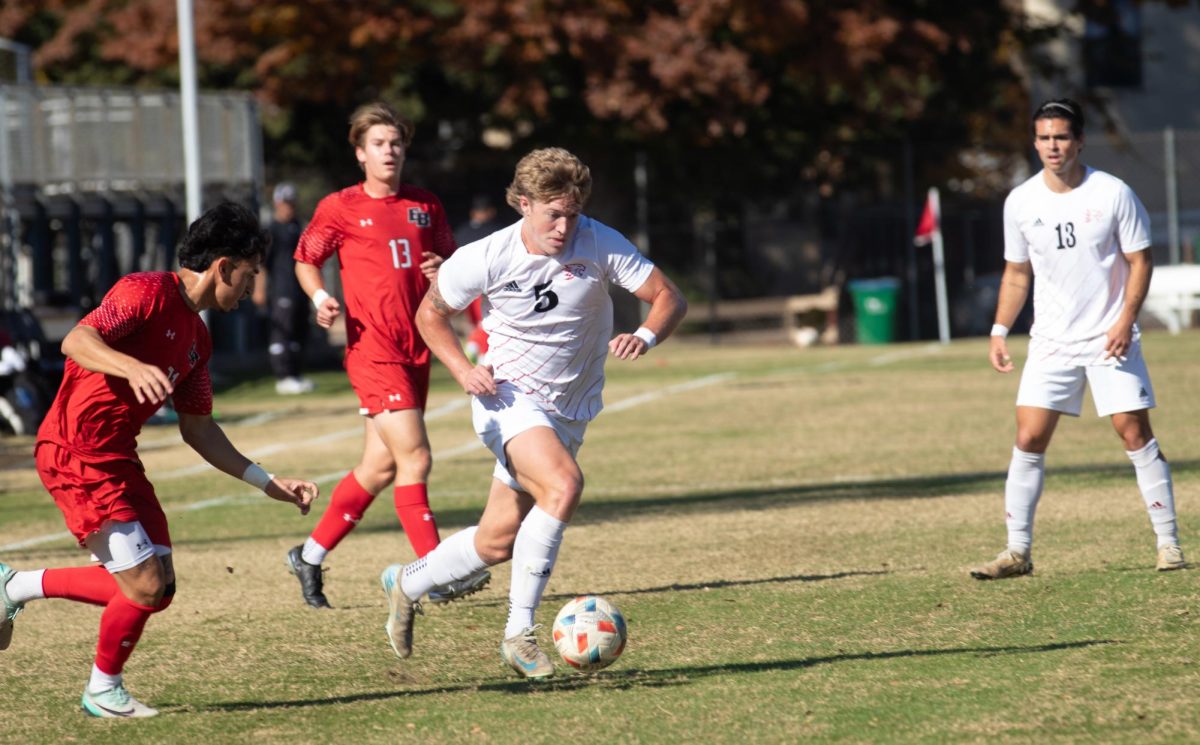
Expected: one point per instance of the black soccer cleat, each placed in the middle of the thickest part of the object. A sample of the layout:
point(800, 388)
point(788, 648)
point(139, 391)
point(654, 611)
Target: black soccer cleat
point(312, 584)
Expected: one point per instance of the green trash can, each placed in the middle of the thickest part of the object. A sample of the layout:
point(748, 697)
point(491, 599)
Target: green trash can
point(875, 309)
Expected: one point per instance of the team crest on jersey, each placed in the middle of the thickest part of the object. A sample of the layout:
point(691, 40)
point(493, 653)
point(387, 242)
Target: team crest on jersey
point(1092, 215)
point(418, 217)
point(193, 355)
point(364, 222)
point(574, 270)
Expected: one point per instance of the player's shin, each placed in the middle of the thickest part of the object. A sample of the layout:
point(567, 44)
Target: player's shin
point(346, 507)
point(1154, 481)
point(1022, 490)
point(534, 554)
point(412, 507)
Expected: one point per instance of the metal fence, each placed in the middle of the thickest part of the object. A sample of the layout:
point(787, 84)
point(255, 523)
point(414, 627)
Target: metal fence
point(1163, 169)
point(109, 139)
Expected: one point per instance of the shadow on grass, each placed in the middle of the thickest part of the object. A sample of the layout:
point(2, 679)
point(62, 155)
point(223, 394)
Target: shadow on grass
point(596, 510)
point(623, 679)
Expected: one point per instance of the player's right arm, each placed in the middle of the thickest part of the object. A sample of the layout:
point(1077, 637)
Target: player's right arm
point(310, 279)
point(433, 321)
point(1014, 289)
point(87, 348)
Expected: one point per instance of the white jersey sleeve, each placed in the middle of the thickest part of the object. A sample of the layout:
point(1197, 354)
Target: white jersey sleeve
point(626, 266)
point(463, 277)
point(1133, 222)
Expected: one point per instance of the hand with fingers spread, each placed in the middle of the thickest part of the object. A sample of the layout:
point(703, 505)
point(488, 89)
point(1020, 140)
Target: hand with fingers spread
point(1120, 337)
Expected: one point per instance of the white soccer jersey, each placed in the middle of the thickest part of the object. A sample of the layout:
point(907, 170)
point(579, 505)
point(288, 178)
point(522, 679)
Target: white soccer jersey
point(549, 318)
point(1073, 241)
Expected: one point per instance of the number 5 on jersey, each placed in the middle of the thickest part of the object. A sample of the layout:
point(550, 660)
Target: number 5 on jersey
point(546, 299)
point(401, 255)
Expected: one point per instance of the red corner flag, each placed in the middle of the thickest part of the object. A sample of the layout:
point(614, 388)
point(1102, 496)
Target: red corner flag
point(930, 222)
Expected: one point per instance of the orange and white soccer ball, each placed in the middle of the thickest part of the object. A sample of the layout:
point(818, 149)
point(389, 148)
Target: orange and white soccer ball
point(589, 633)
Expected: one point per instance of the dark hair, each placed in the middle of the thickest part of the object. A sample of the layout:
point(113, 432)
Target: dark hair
point(1062, 108)
point(227, 230)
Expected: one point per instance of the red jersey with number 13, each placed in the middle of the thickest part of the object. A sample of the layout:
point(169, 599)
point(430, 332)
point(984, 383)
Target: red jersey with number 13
point(144, 315)
point(380, 245)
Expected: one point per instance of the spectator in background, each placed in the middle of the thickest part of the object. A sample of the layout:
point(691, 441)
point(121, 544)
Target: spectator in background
point(481, 222)
point(280, 293)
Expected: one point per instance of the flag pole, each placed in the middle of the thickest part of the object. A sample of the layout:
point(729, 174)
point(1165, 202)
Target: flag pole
point(939, 268)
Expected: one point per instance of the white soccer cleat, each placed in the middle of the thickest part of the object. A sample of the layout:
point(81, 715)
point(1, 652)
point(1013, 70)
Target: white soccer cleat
point(8, 608)
point(1169, 558)
point(115, 703)
point(401, 610)
point(523, 654)
point(1008, 563)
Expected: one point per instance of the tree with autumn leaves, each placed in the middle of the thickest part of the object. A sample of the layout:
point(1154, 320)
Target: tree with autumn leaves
point(745, 94)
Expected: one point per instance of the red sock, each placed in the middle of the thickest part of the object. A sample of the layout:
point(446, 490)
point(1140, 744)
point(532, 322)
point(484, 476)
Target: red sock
point(121, 626)
point(90, 584)
point(346, 507)
point(412, 507)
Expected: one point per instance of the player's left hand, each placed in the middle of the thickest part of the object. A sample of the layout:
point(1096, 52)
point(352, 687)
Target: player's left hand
point(628, 346)
point(1120, 339)
point(295, 491)
point(430, 263)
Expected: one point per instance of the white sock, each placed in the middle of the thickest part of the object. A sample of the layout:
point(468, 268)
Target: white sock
point(1022, 490)
point(1154, 480)
point(534, 553)
point(313, 552)
point(102, 681)
point(25, 586)
point(454, 558)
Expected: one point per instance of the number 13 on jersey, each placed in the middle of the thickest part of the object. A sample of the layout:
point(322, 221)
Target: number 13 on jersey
point(401, 255)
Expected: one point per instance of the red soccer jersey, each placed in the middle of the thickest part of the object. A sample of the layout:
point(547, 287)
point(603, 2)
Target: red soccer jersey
point(379, 243)
point(97, 416)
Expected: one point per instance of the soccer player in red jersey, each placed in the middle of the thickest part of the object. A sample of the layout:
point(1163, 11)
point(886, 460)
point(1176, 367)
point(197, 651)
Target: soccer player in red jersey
point(390, 238)
point(143, 343)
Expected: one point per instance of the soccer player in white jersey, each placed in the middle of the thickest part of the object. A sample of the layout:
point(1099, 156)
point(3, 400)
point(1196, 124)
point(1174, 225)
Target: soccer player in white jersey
point(544, 282)
point(1086, 237)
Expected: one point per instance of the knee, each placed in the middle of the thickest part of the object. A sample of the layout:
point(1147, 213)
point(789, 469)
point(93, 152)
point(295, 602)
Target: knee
point(415, 465)
point(148, 590)
point(165, 599)
point(1032, 442)
point(563, 495)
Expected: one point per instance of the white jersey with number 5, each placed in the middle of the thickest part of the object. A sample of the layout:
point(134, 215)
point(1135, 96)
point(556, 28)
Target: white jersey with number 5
point(549, 318)
point(1074, 241)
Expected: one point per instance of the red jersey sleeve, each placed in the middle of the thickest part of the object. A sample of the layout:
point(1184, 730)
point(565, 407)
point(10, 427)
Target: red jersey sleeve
point(194, 394)
point(126, 307)
point(323, 236)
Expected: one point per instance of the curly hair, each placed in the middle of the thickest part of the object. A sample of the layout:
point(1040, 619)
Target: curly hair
point(547, 174)
point(227, 230)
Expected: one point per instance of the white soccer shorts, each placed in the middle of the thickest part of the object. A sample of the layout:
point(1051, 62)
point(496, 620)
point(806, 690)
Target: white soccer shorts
point(510, 412)
point(1115, 388)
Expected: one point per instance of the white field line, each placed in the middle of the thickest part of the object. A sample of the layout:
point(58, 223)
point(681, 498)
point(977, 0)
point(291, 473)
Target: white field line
point(325, 478)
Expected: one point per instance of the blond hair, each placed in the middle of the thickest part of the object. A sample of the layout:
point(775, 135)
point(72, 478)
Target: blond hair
point(547, 174)
point(378, 112)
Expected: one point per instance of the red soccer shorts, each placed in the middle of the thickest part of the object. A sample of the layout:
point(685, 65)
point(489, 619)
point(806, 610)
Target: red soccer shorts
point(91, 494)
point(387, 386)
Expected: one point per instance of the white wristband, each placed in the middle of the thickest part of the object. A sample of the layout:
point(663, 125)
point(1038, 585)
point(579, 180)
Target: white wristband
point(319, 297)
point(1000, 330)
point(256, 476)
point(647, 336)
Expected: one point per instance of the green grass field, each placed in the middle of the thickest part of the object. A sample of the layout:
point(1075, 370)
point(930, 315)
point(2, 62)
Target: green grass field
point(788, 533)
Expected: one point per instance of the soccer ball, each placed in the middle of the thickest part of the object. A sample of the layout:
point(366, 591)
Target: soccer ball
point(589, 633)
